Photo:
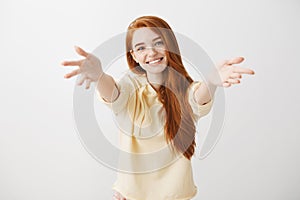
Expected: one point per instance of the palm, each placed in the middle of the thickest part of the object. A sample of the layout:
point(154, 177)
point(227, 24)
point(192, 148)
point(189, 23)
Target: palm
point(229, 73)
point(89, 68)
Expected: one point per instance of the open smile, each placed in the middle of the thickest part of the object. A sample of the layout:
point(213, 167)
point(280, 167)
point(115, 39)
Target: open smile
point(155, 61)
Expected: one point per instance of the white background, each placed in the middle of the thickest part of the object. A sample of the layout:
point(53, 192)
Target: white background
point(41, 156)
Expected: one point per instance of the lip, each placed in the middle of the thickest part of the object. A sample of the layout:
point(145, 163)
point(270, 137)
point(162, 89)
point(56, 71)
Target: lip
point(156, 59)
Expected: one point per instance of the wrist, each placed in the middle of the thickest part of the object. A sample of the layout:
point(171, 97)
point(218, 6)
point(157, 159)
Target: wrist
point(214, 80)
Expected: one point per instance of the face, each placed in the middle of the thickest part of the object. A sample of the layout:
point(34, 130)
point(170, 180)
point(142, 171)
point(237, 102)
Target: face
point(148, 49)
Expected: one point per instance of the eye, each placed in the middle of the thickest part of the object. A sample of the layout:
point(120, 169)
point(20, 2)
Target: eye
point(159, 43)
point(141, 48)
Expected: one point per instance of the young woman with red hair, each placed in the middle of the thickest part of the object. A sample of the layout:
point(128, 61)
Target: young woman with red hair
point(160, 104)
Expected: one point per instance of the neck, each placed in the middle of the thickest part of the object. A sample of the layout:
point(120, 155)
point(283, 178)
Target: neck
point(156, 80)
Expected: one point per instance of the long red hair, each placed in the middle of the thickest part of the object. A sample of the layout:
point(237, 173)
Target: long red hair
point(180, 125)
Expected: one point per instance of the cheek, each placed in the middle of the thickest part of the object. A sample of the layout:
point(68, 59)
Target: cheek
point(140, 58)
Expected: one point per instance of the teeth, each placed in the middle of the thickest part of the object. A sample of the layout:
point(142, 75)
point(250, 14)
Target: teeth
point(155, 61)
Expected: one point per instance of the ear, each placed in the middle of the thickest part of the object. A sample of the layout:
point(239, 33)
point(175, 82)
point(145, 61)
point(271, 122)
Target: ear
point(133, 56)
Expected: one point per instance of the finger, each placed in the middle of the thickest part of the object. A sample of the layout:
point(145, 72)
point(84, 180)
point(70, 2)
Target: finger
point(115, 197)
point(73, 73)
point(242, 70)
point(236, 60)
point(81, 52)
point(87, 83)
point(81, 80)
point(233, 81)
point(235, 75)
point(226, 84)
point(72, 63)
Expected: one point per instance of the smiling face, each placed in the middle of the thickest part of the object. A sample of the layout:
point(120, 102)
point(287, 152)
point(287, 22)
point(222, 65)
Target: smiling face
point(148, 49)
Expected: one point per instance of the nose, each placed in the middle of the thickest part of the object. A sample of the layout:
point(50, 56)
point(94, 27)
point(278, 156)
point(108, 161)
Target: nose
point(151, 51)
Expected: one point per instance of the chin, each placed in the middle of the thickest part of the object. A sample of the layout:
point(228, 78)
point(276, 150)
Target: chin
point(156, 69)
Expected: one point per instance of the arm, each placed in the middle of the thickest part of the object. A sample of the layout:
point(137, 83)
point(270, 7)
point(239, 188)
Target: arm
point(91, 71)
point(107, 88)
point(225, 75)
point(204, 93)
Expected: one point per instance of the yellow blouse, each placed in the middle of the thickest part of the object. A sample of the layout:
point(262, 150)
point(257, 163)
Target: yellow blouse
point(150, 170)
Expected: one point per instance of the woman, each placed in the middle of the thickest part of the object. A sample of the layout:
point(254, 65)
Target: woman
point(158, 104)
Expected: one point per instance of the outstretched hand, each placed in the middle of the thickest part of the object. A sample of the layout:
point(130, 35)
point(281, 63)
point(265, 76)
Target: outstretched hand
point(229, 73)
point(89, 68)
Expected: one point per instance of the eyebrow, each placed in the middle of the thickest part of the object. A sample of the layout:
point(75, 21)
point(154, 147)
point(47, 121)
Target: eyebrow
point(144, 43)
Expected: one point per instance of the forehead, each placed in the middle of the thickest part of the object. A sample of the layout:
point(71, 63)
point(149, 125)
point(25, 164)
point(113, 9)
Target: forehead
point(143, 35)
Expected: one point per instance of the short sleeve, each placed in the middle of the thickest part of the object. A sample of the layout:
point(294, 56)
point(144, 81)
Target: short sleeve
point(198, 110)
point(126, 88)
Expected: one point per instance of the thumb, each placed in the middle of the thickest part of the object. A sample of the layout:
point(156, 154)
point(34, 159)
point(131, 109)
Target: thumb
point(80, 51)
point(235, 60)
